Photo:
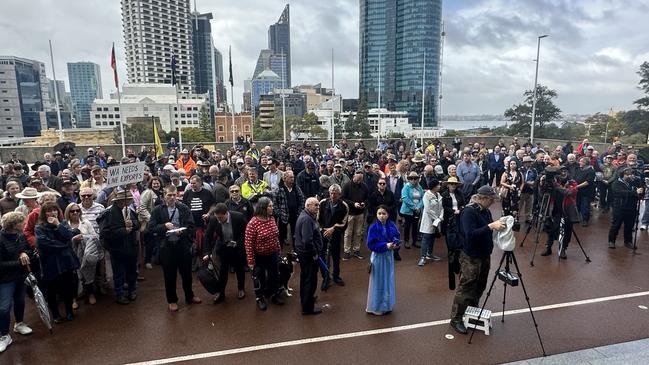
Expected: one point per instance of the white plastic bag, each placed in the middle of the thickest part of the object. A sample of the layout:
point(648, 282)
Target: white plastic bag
point(505, 239)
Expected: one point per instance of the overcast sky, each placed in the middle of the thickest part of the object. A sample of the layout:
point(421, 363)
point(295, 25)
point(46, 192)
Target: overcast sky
point(590, 58)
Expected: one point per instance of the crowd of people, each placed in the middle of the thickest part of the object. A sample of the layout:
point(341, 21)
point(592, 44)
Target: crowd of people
point(244, 207)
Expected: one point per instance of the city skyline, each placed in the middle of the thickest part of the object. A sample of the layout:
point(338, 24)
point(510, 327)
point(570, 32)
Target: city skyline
point(590, 58)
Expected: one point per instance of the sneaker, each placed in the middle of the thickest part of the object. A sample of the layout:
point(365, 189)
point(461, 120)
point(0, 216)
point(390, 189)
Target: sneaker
point(261, 304)
point(339, 281)
point(22, 328)
point(643, 227)
point(347, 256)
point(149, 266)
point(433, 258)
point(422, 262)
point(132, 297)
point(5, 341)
point(611, 245)
point(358, 255)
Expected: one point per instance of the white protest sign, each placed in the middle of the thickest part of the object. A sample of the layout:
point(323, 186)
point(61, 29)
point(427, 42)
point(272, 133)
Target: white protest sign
point(125, 174)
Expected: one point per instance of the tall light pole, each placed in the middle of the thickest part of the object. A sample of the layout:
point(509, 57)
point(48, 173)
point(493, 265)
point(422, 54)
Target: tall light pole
point(536, 77)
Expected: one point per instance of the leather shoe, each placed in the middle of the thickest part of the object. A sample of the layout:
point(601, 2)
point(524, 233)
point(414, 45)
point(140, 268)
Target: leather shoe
point(277, 300)
point(459, 327)
point(547, 252)
point(218, 298)
point(326, 283)
point(315, 311)
point(123, 300)
point(261, 304)
point(241, 294)
point(195, 300)
point(397, 257)
point(339, 281)
point(628, 245)
point(562, 254)
point(173, 307)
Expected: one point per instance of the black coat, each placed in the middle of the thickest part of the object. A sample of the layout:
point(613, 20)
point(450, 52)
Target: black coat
point(244, 207)
point(114, 233)
point(160, 216)
point(377, 199)
point(336, 218)
point(10, 250)
point(213, 242)
point(55, 247)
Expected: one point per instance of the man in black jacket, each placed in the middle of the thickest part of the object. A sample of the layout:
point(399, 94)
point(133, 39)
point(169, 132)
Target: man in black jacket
point(355, 195)
point(476, 226)
point(308, 245)
point(625, 194)
point(224, 237)
point(119, 231)
point(333, 221)
point(173, 225)
point(237, 203)
point(308, 181)
point(199, 200)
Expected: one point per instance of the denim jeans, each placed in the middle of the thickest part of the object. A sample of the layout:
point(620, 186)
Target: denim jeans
point(124, 272)
point(427, 242)
point(645, 215)
point(11, 293)
point(583, 205)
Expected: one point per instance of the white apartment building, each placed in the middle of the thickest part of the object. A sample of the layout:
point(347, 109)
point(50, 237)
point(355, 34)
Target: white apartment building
point(387, 122)
point(153, 31)
point(148, 101)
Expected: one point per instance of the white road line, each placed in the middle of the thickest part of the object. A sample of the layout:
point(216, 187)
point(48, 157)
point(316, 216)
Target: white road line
point(341, 336)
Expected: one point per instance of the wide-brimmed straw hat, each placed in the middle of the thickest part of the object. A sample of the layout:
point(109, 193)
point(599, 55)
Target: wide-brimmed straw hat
point(28, 193)
point(453, 180)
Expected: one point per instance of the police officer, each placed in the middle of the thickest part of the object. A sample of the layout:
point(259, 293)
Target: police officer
point(563, 211)
point(476, 226)
point(625, 192)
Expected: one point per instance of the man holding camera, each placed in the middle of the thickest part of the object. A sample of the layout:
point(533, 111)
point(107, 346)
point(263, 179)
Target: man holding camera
point(625, 193)
point(563, 211)
point(476, 226)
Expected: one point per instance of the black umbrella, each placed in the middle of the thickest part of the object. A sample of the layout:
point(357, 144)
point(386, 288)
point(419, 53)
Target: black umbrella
point(64, 147)
point(39, 300)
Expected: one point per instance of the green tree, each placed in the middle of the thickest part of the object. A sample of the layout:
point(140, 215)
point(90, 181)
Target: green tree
point(360, 127)
point(195, 134)
point(206, 124)
point(339, 126)
point(307, 126)
point(138, 133)
point(603, 126)
point(643, 103)
point(521, 114)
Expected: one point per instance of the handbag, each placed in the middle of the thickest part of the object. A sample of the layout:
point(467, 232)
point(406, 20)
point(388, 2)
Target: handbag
point(503, 192)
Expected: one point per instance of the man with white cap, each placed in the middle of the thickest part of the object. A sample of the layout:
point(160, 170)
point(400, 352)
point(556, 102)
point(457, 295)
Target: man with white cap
point(186, 162)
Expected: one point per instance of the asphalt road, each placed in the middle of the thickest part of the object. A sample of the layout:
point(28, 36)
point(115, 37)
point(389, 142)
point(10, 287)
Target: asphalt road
point(235, 332)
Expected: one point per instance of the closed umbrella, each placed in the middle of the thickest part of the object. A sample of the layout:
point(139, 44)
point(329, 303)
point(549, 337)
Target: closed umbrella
point(39, 300)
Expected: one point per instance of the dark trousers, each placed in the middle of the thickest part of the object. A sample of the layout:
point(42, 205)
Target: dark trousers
point(410, 228)
point(334, 246)
point(124, 272)
point(619, 217)
point(175, 258)
point(232, 257)
point(64, 286)
point(494, 174)
point(583, 205)
point(151, 248)
point(12, 292)
point(561, 229)
point(474, 272)
point(283, 229)
point(604, 190)
point(266, 275)
point(308, 282)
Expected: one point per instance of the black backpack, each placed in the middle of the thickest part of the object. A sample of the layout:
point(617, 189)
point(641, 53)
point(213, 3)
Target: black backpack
point(102, 222)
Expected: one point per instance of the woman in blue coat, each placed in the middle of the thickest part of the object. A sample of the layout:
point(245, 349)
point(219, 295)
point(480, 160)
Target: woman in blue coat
point(58, 260)
point(412, 196)
point(382, 239)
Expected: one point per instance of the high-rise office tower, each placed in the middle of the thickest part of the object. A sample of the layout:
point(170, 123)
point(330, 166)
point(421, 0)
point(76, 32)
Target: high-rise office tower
point(221, 93)
point(85, 87)
point(279, 41)
point(153, 31)
point(24, 97)
point(65, 102)
point(268, 60)
point(400, 33)
point(202, 48)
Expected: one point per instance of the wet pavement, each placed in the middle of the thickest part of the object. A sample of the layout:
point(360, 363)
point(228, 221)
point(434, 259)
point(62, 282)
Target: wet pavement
point(235, 332)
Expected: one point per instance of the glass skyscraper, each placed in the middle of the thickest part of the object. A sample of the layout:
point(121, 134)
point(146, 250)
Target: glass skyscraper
point(85, 87)
point(401, 34)
point(202, 54)
point(279, 41)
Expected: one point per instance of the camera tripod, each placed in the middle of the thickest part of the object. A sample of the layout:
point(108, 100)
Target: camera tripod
point(562, 239)
point(538, 221)
point(637, 224)
point(509, 279)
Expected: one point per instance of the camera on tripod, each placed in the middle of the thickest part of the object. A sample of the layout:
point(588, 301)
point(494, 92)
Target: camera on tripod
point(508, 278)
point(550, 173)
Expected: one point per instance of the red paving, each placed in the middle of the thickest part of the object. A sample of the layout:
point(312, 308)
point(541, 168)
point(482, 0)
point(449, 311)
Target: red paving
point(111, 334)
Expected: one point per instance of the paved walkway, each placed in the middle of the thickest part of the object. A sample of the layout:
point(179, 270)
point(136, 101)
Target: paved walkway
point(633, 352)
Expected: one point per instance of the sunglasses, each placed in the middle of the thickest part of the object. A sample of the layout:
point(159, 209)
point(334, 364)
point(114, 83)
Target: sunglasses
point(381, 183)
point(74, 211)
point(234, 191)
point(86, 196)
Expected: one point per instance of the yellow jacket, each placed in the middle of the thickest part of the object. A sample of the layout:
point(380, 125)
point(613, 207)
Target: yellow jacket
point(248, 190)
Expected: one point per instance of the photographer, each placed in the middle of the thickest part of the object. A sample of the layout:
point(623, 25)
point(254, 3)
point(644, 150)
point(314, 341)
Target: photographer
point(476, 226)
point(625, 191)
point(563, 208)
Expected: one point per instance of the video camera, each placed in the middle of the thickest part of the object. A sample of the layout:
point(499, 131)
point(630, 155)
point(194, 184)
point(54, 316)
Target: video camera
point(546, 184)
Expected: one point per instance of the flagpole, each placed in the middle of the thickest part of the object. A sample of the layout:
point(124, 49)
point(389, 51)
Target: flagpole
point(333, 95)
point(423, 103)
point(113, 65)
point(180, 128)
point(232, 94)
point(378, 124)
point(153, 131)
point(56, 95)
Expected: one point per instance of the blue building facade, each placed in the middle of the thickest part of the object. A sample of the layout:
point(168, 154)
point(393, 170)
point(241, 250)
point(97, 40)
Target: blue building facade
point(401, 34)
point(263, 84)
point(203, 51)
point(85, 87)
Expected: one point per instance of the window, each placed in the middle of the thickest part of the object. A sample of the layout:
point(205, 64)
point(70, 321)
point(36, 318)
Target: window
point(246, 128)
point(116, 109)
point(10, 127)
point(220, 128)
point(97, 116)
point(221, 139)
point(103, 116)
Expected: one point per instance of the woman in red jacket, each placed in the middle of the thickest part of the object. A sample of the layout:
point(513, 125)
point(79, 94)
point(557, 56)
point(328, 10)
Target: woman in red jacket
point(262, 252)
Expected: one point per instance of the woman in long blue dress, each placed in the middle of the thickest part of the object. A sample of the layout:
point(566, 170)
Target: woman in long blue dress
point(382, 238)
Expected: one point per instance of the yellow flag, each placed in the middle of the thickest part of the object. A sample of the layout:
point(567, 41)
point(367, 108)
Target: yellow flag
point(156, 140)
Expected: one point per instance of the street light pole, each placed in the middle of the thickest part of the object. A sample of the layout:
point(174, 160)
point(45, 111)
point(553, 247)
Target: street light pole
point(536, 77)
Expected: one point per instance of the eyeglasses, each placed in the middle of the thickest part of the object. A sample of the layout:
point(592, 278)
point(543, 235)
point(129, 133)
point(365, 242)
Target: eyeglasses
point(74, 211)
point(234, 191)
point(381, 183)
point(86, 196)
